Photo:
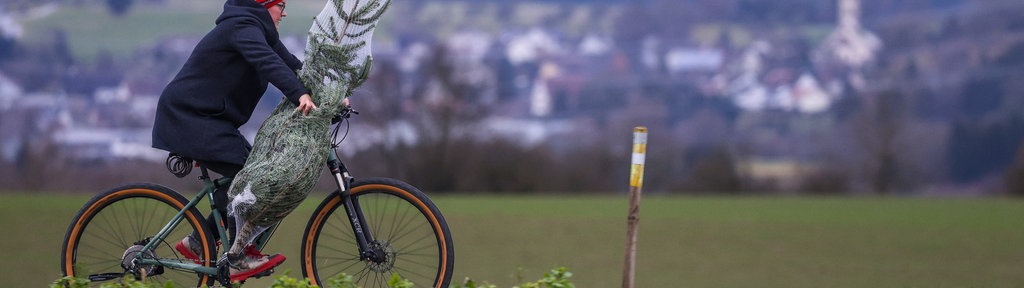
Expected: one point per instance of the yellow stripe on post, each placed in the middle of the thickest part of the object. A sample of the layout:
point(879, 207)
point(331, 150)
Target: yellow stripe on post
point(636, 174)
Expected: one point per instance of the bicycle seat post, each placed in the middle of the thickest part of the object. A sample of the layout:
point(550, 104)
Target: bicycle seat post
point(205, 174)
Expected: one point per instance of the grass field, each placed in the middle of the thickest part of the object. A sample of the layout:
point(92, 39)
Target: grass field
point(683, 241)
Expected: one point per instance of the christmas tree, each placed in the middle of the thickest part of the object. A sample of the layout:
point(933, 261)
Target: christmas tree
point(290, 149)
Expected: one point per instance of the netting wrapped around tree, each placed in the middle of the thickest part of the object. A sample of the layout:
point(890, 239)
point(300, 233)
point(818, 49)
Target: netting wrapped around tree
point(290, 149)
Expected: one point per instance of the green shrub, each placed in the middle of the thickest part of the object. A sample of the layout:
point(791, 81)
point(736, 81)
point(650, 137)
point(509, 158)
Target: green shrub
point(127, 282)
point(556, 278)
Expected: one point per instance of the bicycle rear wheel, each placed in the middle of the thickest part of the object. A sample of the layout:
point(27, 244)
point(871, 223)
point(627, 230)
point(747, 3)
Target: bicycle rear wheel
point(405, 225)
point(114, 225)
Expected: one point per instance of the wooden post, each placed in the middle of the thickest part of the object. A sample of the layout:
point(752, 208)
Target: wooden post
point(636, 181)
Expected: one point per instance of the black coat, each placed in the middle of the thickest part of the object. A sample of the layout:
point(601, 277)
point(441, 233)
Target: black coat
point(217, 90)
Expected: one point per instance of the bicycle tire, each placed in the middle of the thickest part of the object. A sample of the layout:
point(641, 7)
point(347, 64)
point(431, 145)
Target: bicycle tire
point(110, 223)
point(329, 247)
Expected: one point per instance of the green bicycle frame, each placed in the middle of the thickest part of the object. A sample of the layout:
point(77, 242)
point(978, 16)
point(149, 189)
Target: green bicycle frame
point(209, 185)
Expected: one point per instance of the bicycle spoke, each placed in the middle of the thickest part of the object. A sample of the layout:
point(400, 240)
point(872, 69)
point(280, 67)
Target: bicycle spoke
point(133, 215)
point(427, 262)
point(408, 272)
point(104, 240)
point(343, 251)
point(428, 252)
point(399, 237)
point(400, 224)
point(421, 240)
point(112, 232)
point(118, 221)
point(345, 236)
point(363, 279)
point(351, 263)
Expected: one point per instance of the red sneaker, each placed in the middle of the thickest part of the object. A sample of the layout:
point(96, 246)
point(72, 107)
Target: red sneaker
point(252, 264)
point(251, 251)
point(189, 250)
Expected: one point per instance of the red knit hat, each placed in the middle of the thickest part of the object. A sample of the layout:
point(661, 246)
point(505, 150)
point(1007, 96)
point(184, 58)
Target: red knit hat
point(268, 3)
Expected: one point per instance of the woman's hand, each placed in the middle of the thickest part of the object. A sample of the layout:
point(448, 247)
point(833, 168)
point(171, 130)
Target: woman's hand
point(306, 104)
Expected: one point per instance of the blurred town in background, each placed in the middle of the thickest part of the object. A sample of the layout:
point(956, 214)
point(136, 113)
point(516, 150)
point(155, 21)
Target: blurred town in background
point(843, 97)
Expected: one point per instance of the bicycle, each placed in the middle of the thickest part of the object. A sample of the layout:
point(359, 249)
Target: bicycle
point(392, 228)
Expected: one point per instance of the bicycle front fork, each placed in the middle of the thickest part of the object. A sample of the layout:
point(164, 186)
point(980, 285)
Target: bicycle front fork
point(353, 211)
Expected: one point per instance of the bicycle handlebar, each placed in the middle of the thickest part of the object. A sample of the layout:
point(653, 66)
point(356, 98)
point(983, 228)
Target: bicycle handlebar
point(344, 114)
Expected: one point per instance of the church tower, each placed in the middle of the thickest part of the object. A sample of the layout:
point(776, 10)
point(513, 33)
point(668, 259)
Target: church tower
point(849, 14)
point(850, 43)
point(850, 46)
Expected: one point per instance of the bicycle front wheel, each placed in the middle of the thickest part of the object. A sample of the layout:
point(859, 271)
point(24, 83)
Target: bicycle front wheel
point(111, 229)
point(407, 230)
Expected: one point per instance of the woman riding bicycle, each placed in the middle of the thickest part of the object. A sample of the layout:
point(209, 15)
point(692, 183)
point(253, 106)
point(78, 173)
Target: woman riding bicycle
point(216, 92)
